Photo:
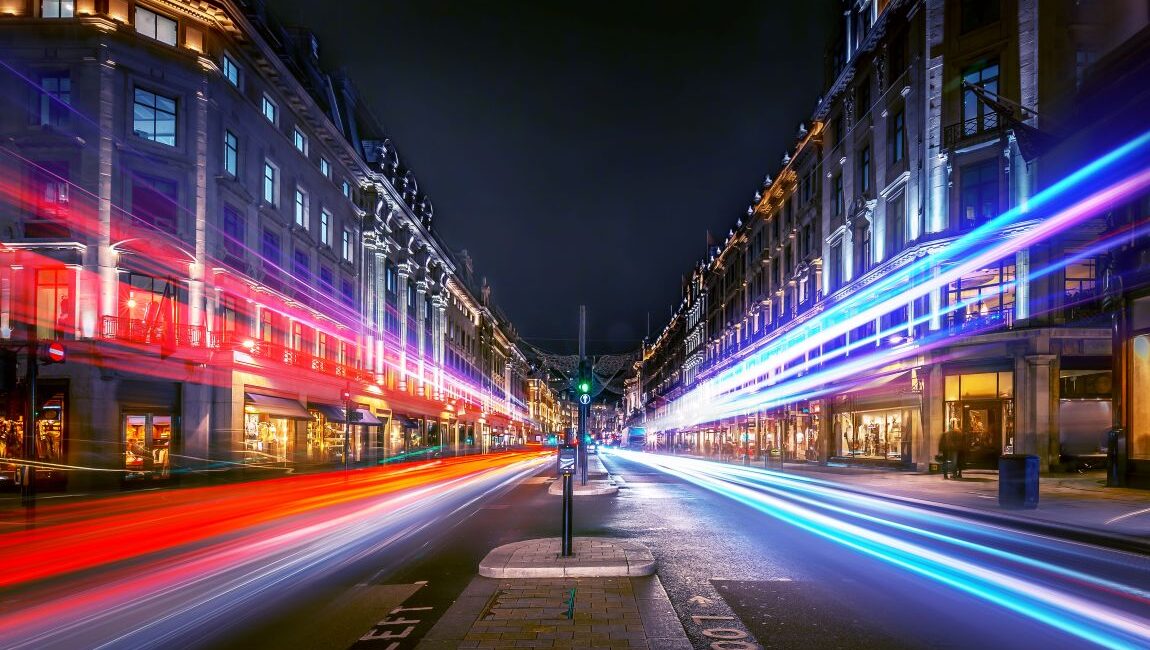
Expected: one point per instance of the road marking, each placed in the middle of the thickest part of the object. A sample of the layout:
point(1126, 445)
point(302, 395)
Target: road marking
point(1129, 514)
point(397, 627)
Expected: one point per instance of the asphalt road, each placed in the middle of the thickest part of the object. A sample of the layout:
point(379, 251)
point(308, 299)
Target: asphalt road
point(770, 552)
point(756, 556)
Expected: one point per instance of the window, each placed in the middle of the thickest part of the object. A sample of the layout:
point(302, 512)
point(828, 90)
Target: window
point(863, 98)
point(839, 199)
point(837, 130)
point(326, 281)
point(325, 227)
point(231, 153)
point(301, 265)
point(271, 183)
point(347, 292)
point(895, 224)
point(978, 195)
point(864, 251)
point(836, 266)
point(864, 170)
point(325, 167)
point(155, 202)
point(270, 247)
point(54, 312)
point(898, 137)
point(48, 198)
point(301, 209)
point(268, 108)
point(978, 13)
point(977, 116)
point(58, 9)
point(347, 252)
point(1083, 59)
point(984, 297)
point(153, 25)
point(346, 188)
point(231, 71)
point(299, 140)
point(154, 117)
point(233, 232)
point(53, 98)
point(297, 338)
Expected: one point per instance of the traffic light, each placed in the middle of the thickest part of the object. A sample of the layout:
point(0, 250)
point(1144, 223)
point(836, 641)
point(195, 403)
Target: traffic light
point(584, 382)
point(346, 396)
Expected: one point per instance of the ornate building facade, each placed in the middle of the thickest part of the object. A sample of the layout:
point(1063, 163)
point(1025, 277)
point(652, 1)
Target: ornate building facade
point(232, 252)
point(927, 144)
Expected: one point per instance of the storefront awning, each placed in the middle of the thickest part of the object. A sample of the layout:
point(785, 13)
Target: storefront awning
point(280, 407)
point(334, 413)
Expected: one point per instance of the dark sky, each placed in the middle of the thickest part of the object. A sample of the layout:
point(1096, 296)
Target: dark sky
point(581, 150)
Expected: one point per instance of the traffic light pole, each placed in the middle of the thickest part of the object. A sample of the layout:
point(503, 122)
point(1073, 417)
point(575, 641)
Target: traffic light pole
point(584, 374)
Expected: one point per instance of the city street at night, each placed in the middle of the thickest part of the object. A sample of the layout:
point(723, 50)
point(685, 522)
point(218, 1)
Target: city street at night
point(519, 324)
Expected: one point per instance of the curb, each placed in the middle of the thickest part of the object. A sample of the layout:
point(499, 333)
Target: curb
point(595, 557)
point(593, 488)
point(1117, 541)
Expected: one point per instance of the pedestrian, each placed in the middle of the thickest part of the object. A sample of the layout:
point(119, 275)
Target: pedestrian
point(961, 446)
point(948, 449)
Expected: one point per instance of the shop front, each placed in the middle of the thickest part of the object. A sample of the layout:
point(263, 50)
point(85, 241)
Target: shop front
point(148, 421)
point(270, 428)
point(872, 429)
point(147, 445)
point(49, 436)
point(981, 406)
point(329, 434)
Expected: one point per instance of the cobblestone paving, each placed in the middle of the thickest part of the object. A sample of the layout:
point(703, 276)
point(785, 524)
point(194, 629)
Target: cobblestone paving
point(533, 613)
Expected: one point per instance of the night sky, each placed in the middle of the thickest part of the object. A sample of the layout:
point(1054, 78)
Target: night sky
point(580, 151)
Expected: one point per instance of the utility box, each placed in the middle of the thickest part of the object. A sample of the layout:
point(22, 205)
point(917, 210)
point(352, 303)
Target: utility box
point(567, 460)
point(1018, 481)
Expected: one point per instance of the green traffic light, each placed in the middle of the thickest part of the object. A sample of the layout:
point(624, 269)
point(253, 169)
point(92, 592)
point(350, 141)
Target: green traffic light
point(584, 387)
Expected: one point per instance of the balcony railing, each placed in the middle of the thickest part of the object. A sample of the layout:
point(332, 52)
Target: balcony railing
point(134, 330)
point(981, 323)
point(197, 337)
point(987, 124)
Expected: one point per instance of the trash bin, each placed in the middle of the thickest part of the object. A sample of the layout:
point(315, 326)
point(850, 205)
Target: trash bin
point(1018, 481)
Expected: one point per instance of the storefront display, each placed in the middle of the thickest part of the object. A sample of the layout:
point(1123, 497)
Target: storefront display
point(981, 407)
point(147, 445)
point(873, 434)
point(270, 427)
point(48, 442)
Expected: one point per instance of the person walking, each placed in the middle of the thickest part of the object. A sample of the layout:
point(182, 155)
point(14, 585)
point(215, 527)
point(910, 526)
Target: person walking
point(948, 448)
point(961, 447)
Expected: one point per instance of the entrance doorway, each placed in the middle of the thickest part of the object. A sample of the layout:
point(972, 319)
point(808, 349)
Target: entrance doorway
point(982, 424)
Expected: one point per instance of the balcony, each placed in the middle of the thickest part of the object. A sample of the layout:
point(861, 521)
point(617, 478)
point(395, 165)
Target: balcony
point(970, 324)
point(134, 330)
point(974, 129)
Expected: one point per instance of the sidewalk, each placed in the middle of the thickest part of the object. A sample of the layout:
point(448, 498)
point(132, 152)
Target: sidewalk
point(1075, 505)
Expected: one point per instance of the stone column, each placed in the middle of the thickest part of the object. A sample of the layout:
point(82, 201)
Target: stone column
point(420, 326)
point(439, 331)
point(1037, 439)
point(105, 257)
point(404, 272)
